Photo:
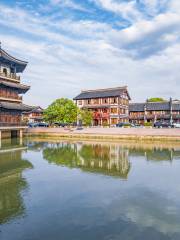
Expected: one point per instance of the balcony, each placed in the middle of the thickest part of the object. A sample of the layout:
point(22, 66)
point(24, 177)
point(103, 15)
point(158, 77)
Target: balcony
point(10, 125)
point(98, 115)
point(157, 116)
point(11, 76)
point(138, 117)
point(11, 98)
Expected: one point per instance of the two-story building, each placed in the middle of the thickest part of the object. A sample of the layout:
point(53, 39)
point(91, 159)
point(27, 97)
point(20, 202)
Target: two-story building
point(154, 111)
point(33, 116)
point(109, 106)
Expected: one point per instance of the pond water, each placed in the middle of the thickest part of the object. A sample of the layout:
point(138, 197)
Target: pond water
point(62, 190)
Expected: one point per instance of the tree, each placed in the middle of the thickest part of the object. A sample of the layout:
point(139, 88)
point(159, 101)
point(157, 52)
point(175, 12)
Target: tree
point(86, 117)
point(61, 110)
point(156, 99)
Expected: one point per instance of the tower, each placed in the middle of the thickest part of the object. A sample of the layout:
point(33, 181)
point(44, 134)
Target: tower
point(11, 91)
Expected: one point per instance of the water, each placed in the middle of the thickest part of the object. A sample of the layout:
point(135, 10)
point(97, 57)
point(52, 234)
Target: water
point(51, 190)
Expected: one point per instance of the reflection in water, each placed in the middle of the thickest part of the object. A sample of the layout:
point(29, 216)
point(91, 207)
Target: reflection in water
point(106, 159)
point(110, 159)
point(66, 204)
point(11, 182)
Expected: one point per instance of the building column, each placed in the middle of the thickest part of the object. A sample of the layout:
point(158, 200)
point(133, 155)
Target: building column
point(0, 138)
point(171, 110)
point(21, 136)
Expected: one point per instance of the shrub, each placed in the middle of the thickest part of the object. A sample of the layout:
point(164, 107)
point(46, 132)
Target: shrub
point(148, 124)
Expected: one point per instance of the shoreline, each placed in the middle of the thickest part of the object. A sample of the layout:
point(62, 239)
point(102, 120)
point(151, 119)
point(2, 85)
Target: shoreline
point(111, 134)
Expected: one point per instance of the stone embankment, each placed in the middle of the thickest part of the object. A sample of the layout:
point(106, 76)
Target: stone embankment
point(108, 133)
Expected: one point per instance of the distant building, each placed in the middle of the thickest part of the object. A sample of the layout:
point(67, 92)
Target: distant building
point(154, 111)
point(11, 90)
point(33, 116)
point(109, 106)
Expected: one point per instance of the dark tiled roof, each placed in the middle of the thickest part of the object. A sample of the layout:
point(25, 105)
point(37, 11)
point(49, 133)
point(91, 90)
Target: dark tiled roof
point(15, 106)
point(20, 87)
point(102, 93)
point(176, 106)
point(36, 110)
point(158, 106)
point(136, 107)
point(153, 106)
point(20, 65)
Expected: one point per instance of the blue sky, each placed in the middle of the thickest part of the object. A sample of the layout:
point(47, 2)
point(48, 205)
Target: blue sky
point(85, 44)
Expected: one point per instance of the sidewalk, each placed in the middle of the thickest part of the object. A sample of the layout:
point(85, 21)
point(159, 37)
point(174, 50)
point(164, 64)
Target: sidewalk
point(109, 133)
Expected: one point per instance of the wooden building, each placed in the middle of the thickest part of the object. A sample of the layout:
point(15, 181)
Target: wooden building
point(154, 111)
point(11, 91)
point(109, 106)
point(33, 116)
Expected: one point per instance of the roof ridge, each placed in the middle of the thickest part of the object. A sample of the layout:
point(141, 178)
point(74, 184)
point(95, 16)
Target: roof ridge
point(137, 103)
point(10, 56)
point(103, 89)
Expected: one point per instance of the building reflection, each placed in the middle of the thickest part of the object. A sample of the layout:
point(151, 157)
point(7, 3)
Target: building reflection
point(155, 153)
point(100, 158)
point(114, 159)
point(12, 183)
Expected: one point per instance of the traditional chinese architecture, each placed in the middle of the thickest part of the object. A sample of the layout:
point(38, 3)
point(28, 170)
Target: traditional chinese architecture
point(109, 106)
point(154, 111)
point(11, 91)
point(33, 116)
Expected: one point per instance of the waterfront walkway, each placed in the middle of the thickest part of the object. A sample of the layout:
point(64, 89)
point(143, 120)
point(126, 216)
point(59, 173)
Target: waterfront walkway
point(110, 133)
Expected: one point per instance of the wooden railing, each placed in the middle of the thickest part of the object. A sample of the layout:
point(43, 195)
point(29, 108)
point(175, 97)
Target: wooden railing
point(100, 115)
point(18, 124)
point(9, 97)
point(11, 76)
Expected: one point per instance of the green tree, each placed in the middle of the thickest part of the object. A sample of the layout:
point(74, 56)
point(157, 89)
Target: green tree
point(86, 117)
point(156, 99)
point(61, 110)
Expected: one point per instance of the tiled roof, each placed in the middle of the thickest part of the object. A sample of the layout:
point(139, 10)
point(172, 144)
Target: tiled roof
point(102, 93)
point(153, 106)
point(176, 106)
point(158, 106)
point(136, 107)
point(15, 106)
point(20, 87)
point(36, 110)
point(20, 65)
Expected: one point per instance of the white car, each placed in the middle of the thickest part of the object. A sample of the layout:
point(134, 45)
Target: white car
point(176, 125)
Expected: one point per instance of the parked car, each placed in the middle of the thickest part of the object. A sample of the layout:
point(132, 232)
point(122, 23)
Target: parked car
point(163, 125)
point(124, 124)
point(137, 125)
point(79, 128)
point(176, 125)
point(31, 125)
point(43, 124)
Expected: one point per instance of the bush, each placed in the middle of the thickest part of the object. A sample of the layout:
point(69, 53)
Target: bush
point(148, 124)
point(105, 124)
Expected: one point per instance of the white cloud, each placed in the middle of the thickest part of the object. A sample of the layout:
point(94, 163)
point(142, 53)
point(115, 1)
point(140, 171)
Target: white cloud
point(127, 10)
point(68, 4)
point(65, 56)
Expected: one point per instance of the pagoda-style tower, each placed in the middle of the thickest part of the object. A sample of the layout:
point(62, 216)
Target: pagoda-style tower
point(11, 90)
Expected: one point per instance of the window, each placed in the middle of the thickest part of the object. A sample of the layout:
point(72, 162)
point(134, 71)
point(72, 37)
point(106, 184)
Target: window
point(113, 110)
point(5, 71)
point(96, 101)
point(80, 102)
point(114, 100)
point(105, 100)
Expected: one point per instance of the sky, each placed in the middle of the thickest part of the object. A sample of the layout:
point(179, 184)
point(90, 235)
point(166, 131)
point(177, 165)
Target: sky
point(72, 45)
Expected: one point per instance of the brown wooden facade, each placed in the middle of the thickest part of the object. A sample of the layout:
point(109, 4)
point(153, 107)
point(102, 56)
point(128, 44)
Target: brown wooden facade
point(11, 90)
point(33, 116)
point(109, 106)
point(154, 111)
